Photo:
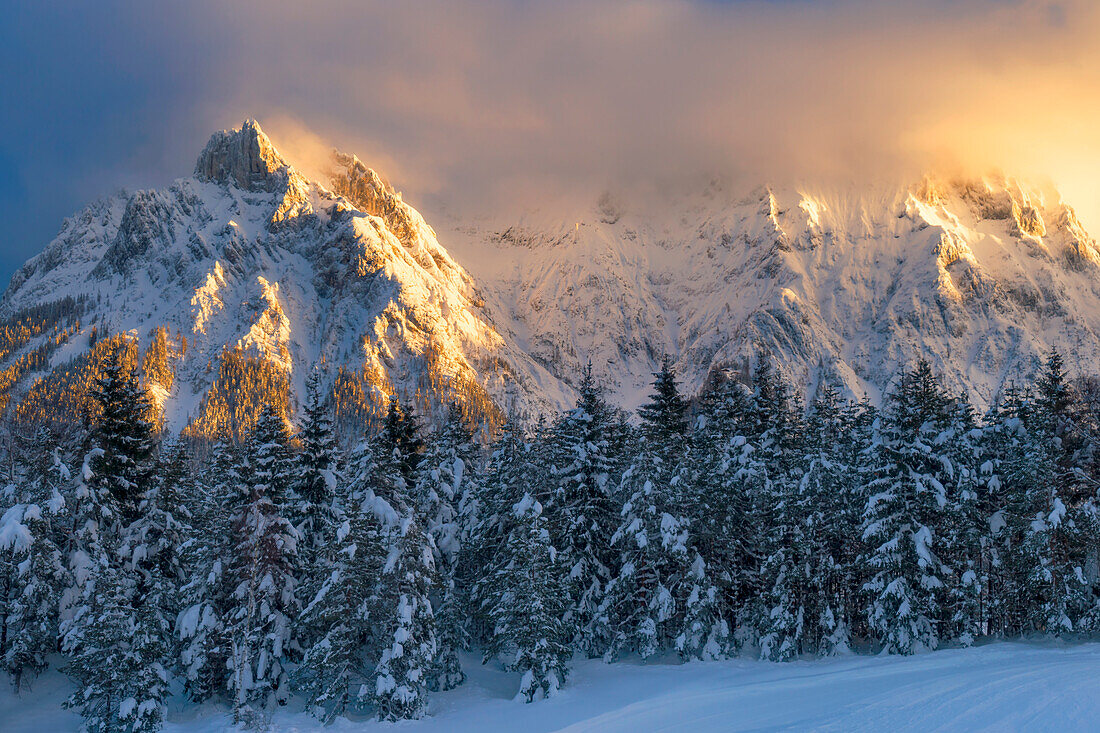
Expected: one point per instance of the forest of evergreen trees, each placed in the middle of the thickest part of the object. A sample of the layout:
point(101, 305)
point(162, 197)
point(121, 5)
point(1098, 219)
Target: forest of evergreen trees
point(743, 523)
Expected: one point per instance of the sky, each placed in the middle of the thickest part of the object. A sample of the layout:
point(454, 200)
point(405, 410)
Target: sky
point(479, 106)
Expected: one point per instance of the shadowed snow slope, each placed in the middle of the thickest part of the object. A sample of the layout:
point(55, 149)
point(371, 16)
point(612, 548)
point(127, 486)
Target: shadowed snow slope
point(997, 687)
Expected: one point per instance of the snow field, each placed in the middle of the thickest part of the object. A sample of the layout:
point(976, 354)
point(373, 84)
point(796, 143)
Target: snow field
point(997, 687)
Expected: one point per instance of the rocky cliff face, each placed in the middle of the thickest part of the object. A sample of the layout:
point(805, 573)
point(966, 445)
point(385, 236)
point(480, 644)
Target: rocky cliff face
point(244, 158)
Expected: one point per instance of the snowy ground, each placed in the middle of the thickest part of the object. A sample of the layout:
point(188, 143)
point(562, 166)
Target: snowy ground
point(996, 687)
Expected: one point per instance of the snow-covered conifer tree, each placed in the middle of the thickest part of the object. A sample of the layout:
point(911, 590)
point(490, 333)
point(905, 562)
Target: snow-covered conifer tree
point(262, 569)
point(446, 473)
point(315, 477)
point(723, 477)
point(806, 577)
point(526, 599)
point(487, 512)
point(405, 646)
point(579, 511)
point(335, 673)
point(206, 598)
point(125, 436)
point(151, 545)
point(408, 646)
point(115, 658)
point(905, 515)
point(29, 531)
point(645, 604)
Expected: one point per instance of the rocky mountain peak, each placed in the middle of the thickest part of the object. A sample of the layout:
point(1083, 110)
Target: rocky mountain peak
point(244, 157)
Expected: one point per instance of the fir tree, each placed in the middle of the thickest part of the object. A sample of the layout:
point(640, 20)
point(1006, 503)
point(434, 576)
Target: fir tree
point(809, 597)
point(406, 646)
point(93, 535)
point(315, 483)
point(335, 672)
point(664, 417)
point(151, 544)
point(724, 477)
point(1066, 521)
point(444, 476)
point(774, 497)
point(201, 625)
point(314, 511)
point(400, 685)
point(645, 604)
point(400, 438)
point(488, 513)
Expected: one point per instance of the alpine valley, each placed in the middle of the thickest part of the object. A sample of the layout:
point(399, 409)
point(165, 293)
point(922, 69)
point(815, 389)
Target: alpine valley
point(231, 286)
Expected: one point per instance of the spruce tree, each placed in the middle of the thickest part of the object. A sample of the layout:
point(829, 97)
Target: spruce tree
point(406, 642)
point(115, 659)
point(400, 438)
point(263, 570)
point(809, 599)
point(488, 513)
point(904, 517)
point(579, 512)
point(525, 599)
point(206, 598)
point(125, 436)
point(93, 537)
point(775, 499)
point(400, 684)
point(30, 532)
point(645, 604)
point(1066, 519)
point(964, 528)
point(315, 480)
point(335, 672)
point(151, 545)
point(445, 474)
point(313, 506)
point(724, 476)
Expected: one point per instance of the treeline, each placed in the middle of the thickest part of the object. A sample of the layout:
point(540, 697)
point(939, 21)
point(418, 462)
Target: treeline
point(742, 524)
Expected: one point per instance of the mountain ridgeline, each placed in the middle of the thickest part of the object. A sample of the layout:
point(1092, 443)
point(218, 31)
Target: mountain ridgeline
point(230, 287)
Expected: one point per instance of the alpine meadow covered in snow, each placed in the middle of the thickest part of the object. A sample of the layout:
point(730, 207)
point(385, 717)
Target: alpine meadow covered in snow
point(585, 365)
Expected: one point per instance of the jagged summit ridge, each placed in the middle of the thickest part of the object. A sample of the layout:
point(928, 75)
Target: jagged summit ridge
point(245, 278)
point(846, 284)
point(243, 156)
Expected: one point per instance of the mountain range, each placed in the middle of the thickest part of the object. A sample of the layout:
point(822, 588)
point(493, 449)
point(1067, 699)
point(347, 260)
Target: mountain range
point(230, 287)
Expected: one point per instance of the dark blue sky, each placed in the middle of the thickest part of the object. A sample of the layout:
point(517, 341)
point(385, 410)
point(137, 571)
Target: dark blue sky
point(96, 96)
point(475, 101)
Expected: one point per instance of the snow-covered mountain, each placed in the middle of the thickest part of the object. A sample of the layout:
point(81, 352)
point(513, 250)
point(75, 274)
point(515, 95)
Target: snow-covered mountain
point(234, 284)
point(982, 277)
point(255, 276)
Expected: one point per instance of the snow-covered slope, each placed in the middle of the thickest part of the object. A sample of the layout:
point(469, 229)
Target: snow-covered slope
point(1001, 687)
point(981, 277)
point(251, 276)
point(248, 261)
